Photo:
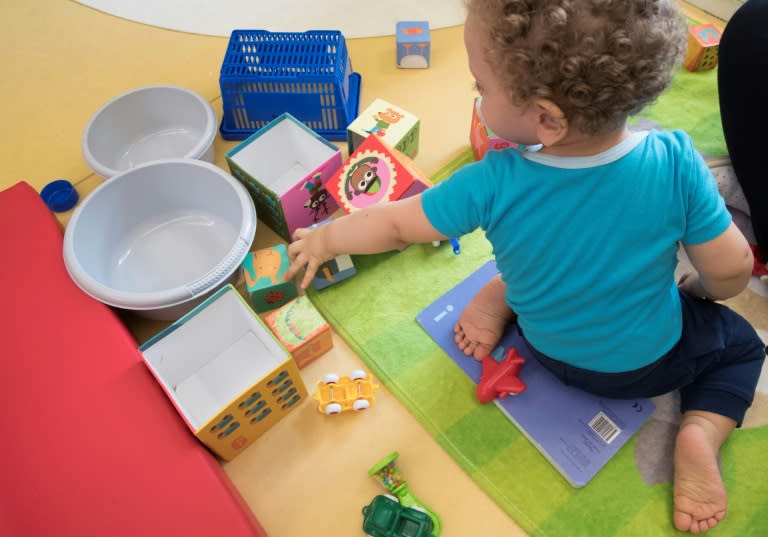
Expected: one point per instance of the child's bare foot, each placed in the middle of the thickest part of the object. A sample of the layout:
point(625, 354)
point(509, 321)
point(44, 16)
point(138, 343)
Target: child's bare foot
point(483, 321)
point(699, 492)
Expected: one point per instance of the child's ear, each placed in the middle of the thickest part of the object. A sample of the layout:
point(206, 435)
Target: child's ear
point(551, 123)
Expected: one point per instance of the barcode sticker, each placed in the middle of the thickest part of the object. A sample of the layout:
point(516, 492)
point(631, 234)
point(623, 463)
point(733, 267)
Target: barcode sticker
point(604, 427)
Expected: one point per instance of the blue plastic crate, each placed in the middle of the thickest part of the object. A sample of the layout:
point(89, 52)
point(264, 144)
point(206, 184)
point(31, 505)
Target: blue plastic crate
point(309, 75)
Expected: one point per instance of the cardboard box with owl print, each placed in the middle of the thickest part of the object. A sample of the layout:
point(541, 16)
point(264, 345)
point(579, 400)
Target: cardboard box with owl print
point(395, 126)
point(374, 173)
point(285, 166)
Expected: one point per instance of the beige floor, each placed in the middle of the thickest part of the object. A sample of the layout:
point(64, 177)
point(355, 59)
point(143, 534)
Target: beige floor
point(307, 476)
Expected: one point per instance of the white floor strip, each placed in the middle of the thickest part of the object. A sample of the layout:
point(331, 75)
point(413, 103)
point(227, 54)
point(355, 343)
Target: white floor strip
point(355, 18)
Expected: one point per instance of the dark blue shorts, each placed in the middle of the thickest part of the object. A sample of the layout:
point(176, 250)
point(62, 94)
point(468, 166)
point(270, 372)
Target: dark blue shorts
point(715, 365)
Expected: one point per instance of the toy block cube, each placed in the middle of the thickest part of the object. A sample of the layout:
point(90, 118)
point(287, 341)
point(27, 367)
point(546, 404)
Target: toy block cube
point(285, 166)
point(703, 45)
point(301, 329)
point(417, 187)
point(333, 271)
point(374, 173)
point(482, 138)
point(413, 44)
point(396, 127)
point(264, 271)
point(226, 373)
point(337, 269)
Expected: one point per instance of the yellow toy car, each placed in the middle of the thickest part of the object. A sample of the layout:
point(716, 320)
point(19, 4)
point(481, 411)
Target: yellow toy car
point(354, 392)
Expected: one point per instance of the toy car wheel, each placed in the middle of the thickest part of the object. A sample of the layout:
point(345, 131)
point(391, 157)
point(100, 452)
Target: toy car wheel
point(331, 378)
point(333, 408)
point(358, 374)
point(361, 404)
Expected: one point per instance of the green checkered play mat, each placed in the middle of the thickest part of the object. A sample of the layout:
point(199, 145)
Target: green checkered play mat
point(632, 496)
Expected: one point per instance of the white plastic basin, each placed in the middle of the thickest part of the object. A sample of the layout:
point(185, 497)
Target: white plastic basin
point(147, 124)
point(160, 237)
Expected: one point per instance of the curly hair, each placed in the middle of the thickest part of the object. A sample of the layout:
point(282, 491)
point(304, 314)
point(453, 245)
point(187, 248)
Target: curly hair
point(600, 61)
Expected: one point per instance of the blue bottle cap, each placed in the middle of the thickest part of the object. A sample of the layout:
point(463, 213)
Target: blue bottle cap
point(59, 195)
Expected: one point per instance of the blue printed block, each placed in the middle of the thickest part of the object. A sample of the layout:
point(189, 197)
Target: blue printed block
point(333, 271)
point(413, 44)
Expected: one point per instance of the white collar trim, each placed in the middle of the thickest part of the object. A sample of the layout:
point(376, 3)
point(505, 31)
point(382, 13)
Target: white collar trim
point(606, 157)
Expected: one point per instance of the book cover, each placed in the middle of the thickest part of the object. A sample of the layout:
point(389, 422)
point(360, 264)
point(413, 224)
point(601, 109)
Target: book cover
point(576, 431)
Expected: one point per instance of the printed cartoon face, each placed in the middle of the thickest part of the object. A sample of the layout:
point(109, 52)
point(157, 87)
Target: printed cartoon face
point(266, 263)
point(363, 179)
point(390, 116)
point(318, 197)
point(317, 202)
point(368, 177)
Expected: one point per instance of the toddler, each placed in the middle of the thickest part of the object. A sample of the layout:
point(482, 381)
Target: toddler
point(585, 231)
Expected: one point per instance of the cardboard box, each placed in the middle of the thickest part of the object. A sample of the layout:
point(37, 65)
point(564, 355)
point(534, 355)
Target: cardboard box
point(285, 166)
point(374, 173)
point(264, 274)
point(413, 44)
point(396, 127)
point(337, 269)
point(703, 47)
point(482, 138)
point(301, 329)
point(225, 372)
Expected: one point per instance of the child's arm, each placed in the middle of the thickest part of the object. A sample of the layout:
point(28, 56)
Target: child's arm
point(390, 226)
point(724, 266)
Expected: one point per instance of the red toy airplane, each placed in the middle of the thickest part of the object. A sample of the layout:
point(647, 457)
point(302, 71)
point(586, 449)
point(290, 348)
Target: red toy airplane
point(500, 379)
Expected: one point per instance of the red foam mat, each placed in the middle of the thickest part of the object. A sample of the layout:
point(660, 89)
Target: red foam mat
point(90, 444)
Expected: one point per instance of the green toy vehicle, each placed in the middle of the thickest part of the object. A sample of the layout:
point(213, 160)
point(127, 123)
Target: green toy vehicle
point(386, 517)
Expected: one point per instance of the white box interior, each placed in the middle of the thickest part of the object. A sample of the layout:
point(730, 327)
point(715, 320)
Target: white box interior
point(213, 357)
point(283, 155)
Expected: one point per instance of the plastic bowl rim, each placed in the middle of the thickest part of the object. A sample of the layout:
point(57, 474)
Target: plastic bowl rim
point(197, 151)
point(153, 300)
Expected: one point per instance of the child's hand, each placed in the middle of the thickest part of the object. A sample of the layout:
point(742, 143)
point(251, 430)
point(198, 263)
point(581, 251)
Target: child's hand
point(307, 251)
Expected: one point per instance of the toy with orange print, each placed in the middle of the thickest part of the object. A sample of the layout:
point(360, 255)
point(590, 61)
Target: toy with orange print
point(264, 272)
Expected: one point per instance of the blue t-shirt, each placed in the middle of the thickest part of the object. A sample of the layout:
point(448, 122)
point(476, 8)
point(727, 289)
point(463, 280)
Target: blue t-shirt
point(587, 246)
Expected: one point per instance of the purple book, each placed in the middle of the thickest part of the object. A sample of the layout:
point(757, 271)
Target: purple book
point(576, 431)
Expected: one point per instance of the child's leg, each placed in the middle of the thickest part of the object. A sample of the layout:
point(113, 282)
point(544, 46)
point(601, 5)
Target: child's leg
point(483, 321)
point(713, 404)
point(716, 365)
point(699, 493)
